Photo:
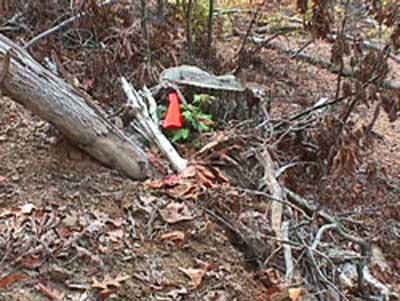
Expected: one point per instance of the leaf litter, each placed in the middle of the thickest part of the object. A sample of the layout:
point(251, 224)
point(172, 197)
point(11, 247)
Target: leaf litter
point(80, 218)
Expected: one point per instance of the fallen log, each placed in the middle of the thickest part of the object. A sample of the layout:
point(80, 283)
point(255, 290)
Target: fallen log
point(297, 26)
point(295, 54)
point(71, 111)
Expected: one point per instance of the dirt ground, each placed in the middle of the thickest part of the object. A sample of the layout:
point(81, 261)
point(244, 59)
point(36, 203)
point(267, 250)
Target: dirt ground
point(67, 194)
point(72, 229)
point(82, 213)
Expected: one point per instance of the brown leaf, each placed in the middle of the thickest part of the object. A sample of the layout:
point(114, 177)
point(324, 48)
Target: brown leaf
point(220, 138)
point(92, 257)
point(196, 276)
point(50, 293)
point(98, 285)
point(176, 212)
point(109, 282)
point(3, 179)
point(172, 180)
point(189, 172)
point(295, 294)
point(87, 84)
point(174, 236)
point(104, 294)
point(32, 263)
point(205, 171)
point(116, 282)
point(116, 235)
point(9, 280)
point(205, 176)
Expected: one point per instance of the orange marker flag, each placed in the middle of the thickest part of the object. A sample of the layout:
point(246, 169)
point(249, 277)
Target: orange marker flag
point(173, 118)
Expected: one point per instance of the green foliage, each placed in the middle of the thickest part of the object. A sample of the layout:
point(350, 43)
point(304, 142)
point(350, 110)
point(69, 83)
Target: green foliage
point(196, 121)
point(180, 135)
point(203, 100)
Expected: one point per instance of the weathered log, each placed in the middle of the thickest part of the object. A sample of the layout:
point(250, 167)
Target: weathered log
point(72, 112)
point(316, 61)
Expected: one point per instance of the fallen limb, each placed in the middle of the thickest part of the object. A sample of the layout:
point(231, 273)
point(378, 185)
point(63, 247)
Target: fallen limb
point(341, 230)
point(287, 253)
point(348, 279)
point(365, 44)
point(370, 45)
point(275, 189)
point(391, 85)
point(305, 204)
point(230, 11)
point(69, 110)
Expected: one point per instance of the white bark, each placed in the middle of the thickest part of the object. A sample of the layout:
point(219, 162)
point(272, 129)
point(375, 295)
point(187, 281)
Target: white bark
point(147, 125)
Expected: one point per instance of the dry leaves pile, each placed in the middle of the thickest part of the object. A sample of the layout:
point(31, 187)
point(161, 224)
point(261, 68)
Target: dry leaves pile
point(31, 237)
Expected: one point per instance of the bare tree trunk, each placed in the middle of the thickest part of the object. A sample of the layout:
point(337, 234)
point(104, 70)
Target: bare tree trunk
point(160, 8)
point(145, 30)
point(210, 30)
point(68, 109)
point(189, 36)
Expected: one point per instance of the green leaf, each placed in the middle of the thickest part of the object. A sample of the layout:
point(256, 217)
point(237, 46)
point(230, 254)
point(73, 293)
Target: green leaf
point(189, 118)
point(180, 135)
point(202, 99)
point(203, 127)
point(161, 110)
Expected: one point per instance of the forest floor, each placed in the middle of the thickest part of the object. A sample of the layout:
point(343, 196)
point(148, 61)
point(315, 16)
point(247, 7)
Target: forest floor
point(75, 230)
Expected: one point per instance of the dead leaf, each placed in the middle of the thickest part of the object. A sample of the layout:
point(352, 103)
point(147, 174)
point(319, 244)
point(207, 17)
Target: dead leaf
point(3, 179)
point(205, 176)
point(116, 235)
point(176, 293)
point(295, 294)
point(217, 295)
point(174, 236)
point(9, 280)
point(186, 191)
point(87, 84)
point(196, 276)
point(50, 293)
point(32, 263)
point(176, 212)
point(117, 222)
point(205, 171)
point(275, 293)
point(97, 284)
point(92, 257)
point(220, 138)
point(154, 184)
point(167, 182)
point(189, 172)
point(116, 282)
point(27, 208)
point(109, 282)
point(172, 180)
point(104, 294)
point(6, 212)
